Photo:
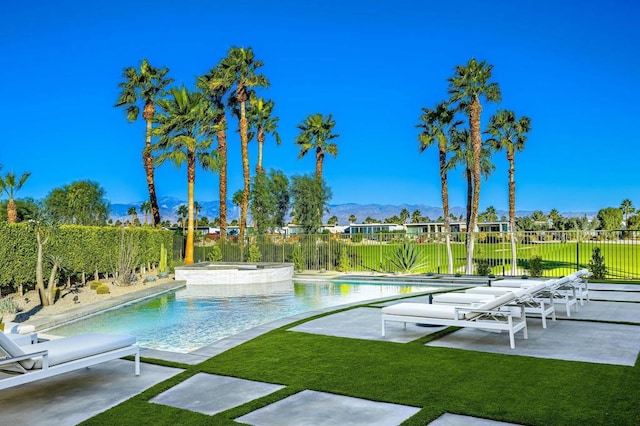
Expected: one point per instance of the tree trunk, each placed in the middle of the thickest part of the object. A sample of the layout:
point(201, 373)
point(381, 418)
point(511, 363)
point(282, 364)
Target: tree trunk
point(44, 301)
point(319, 161)
point(512, 212)
point(476, 140)
point(442, 149)
point(222, 157)
point(51, 287)
point(191, 178)
point(12, 211)
point(244, 140)
point(260, 138)
point(147, 160)
point(469, 178)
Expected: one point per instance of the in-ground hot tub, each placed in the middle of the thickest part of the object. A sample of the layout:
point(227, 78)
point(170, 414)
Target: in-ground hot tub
point(215, 273)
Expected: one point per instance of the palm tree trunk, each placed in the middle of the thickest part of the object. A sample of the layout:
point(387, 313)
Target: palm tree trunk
point(469, 178)
point(222, 157)
point(476, 140)
point(244, 140)
point(445, 201)
point(191, 178)
point(512, 212)
point(147, 160)
point(260, 138)
point(319, 161)
point(12, 211)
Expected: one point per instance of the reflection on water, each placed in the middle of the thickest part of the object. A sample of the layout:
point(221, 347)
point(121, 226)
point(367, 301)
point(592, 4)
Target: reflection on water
point(188, 319)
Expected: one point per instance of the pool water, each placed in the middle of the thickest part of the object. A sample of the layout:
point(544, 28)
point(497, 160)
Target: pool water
point(182, 322)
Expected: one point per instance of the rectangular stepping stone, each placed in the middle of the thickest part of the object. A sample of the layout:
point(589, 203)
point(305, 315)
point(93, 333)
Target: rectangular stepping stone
point(212, 394)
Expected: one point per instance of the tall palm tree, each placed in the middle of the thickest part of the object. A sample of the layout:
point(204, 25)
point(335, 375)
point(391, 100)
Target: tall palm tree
point(183, 130)
point(143, 87)
point(133, 213)
point(436, 125)
point(463, 155)
point(260, 117)
point(468, 84)
point(315, 133)
point(243, 66)
point(627, 208)
point(509, 133)
point(182, 212)
point(216, 85)
point(10, 186)
point(146, 208)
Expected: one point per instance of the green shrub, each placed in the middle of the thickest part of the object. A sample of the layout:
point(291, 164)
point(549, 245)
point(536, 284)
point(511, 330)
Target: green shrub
point(7, 306)
point(405, 259)
point(254, 254)
point(297, 258)
point(483, 267)
point(215, 255)
point(344, 264)
point(94, 284)
point(535, 266)
point(102, 289)
point(597, 265)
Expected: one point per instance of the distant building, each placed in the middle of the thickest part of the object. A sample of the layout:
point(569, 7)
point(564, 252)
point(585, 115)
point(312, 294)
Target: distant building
point(373, 228)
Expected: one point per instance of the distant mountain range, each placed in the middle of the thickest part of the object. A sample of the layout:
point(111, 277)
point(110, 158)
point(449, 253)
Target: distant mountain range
point(210, 209)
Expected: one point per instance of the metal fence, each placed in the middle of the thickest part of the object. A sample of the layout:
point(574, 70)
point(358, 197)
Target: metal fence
point(557, 252)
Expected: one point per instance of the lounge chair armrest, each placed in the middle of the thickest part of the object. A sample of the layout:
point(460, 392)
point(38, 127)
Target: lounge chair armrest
point(483, 311)
point(11, 360)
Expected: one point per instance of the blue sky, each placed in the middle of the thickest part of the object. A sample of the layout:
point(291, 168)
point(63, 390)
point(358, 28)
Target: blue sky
point(572, 67)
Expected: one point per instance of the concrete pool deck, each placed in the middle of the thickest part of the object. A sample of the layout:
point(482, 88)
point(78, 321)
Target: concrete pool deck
point(65, 397)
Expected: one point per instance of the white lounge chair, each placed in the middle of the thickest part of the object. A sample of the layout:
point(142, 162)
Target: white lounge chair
point(21, 334)
point(41, 360)
point(529, 297)
point(486, 316)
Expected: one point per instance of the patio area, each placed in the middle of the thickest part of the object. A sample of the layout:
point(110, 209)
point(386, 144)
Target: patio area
point(603, 331)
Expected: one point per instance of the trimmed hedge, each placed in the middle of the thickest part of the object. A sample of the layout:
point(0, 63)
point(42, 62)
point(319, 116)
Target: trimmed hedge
point(83, 249)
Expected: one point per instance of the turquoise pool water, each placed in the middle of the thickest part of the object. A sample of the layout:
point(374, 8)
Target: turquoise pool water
point(182, 322)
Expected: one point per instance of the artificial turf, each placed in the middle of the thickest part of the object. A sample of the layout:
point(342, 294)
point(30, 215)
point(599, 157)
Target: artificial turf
point(517, 389)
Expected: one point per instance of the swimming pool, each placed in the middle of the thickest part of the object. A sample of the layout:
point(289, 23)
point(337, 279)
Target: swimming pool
point(182, 322)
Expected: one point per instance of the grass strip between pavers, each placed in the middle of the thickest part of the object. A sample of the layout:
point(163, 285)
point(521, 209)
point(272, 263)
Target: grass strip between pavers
point(517, 389)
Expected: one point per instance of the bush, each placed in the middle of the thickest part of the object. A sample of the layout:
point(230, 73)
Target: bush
point(297, 258)
point(535, 266)
point(102, 289)
point(597, 265)
point(94, 284)
point(344, 263)
point(7, 306)
point(215, 255)
point(405, 259)
point(254, 254)
point(483, 267)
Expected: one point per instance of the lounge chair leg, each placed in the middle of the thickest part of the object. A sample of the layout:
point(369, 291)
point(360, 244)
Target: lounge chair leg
point(383, 330)
point(137, 363)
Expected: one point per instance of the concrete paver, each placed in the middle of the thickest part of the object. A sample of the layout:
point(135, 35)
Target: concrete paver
point(319, 409)
point(211, 394)
point(448, 419)
point(71, 398)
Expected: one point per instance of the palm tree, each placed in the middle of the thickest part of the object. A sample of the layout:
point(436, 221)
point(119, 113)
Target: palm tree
point(146, 208)
point(627, 208)
point(436, 125)
point(263, 122)
point(509, 133)
point(463, 155)
point(182, 212)
point(242, 65)
point(352, 218)
point(468, 84)
point(9, 186)
point(316, 132)
point(133, 213)
point(143, 87)
point(216, 85)
point(404, 215)
point(183, 129)
point(416, 216)
point(197, 208)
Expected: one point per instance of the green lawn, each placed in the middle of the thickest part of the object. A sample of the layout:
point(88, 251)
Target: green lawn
point(523, 390)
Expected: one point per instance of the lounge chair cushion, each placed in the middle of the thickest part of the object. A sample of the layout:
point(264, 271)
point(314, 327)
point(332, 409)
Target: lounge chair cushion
point(499, 301)
point(11, 348)
point(509, 283)
point(462, 298)
point(80, 346)
point(536, 288)
point(497, 291)
point(424, 310)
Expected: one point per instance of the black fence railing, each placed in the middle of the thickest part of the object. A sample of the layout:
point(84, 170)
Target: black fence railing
point(544, 253)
